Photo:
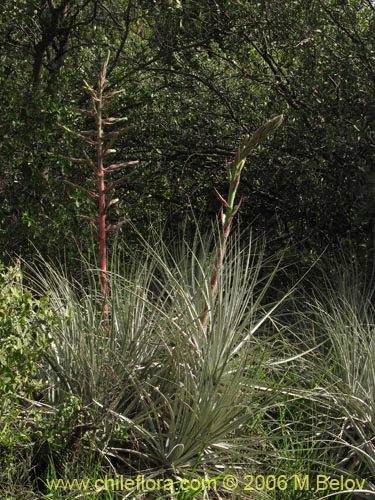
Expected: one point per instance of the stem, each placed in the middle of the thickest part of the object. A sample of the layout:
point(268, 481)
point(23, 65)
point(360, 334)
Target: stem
point(224, 236)
point(102, 142)
point(102, 200)
point(234, 174)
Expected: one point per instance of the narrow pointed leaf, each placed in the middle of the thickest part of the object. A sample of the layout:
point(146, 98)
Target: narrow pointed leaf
point(89, 141)
point(109, 151)
point(121, 164)
point(90, 89)
point(223, 201)
point(89, 193)
point(75, 160)
point(92, 133)
point(90, 162)
point(87, 112)
point(112, 94)
point(111, 120)
point(113, 202)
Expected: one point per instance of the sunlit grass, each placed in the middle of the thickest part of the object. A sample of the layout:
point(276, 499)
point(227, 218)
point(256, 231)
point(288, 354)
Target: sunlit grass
point(181, 391)
point(266, 388)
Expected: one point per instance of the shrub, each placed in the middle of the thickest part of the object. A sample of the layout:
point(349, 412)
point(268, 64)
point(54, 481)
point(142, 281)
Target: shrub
point(25, 322)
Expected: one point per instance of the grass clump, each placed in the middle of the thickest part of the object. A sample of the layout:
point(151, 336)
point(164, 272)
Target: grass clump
point(259, 389)
point(344, 314)
point(161, 394)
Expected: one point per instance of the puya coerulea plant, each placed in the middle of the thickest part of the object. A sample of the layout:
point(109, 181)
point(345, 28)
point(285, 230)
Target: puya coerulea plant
point(101, 142)
point(228, 206)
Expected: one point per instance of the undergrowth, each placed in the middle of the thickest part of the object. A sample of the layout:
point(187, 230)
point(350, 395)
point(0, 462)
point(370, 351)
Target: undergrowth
point(161, 395)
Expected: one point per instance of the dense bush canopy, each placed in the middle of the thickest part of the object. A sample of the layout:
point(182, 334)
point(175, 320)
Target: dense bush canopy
point(196, 75)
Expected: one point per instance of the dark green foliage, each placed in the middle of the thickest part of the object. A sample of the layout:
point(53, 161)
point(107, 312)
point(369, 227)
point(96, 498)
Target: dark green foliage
point(25, 323)
point(196, 76)
point(23, 319)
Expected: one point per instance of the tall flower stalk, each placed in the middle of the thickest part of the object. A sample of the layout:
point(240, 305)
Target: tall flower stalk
point(102, 143)
point(228, 206)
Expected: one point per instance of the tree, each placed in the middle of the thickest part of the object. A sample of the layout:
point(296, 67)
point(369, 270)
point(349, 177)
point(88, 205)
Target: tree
point(196, 75)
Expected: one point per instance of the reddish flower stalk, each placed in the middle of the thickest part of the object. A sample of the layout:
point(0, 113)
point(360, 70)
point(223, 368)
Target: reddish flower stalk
point(103, 143)
point(101, 187)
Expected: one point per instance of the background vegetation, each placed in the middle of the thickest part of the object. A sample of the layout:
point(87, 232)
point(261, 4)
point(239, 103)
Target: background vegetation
point(279, 377)
point(196, 76)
